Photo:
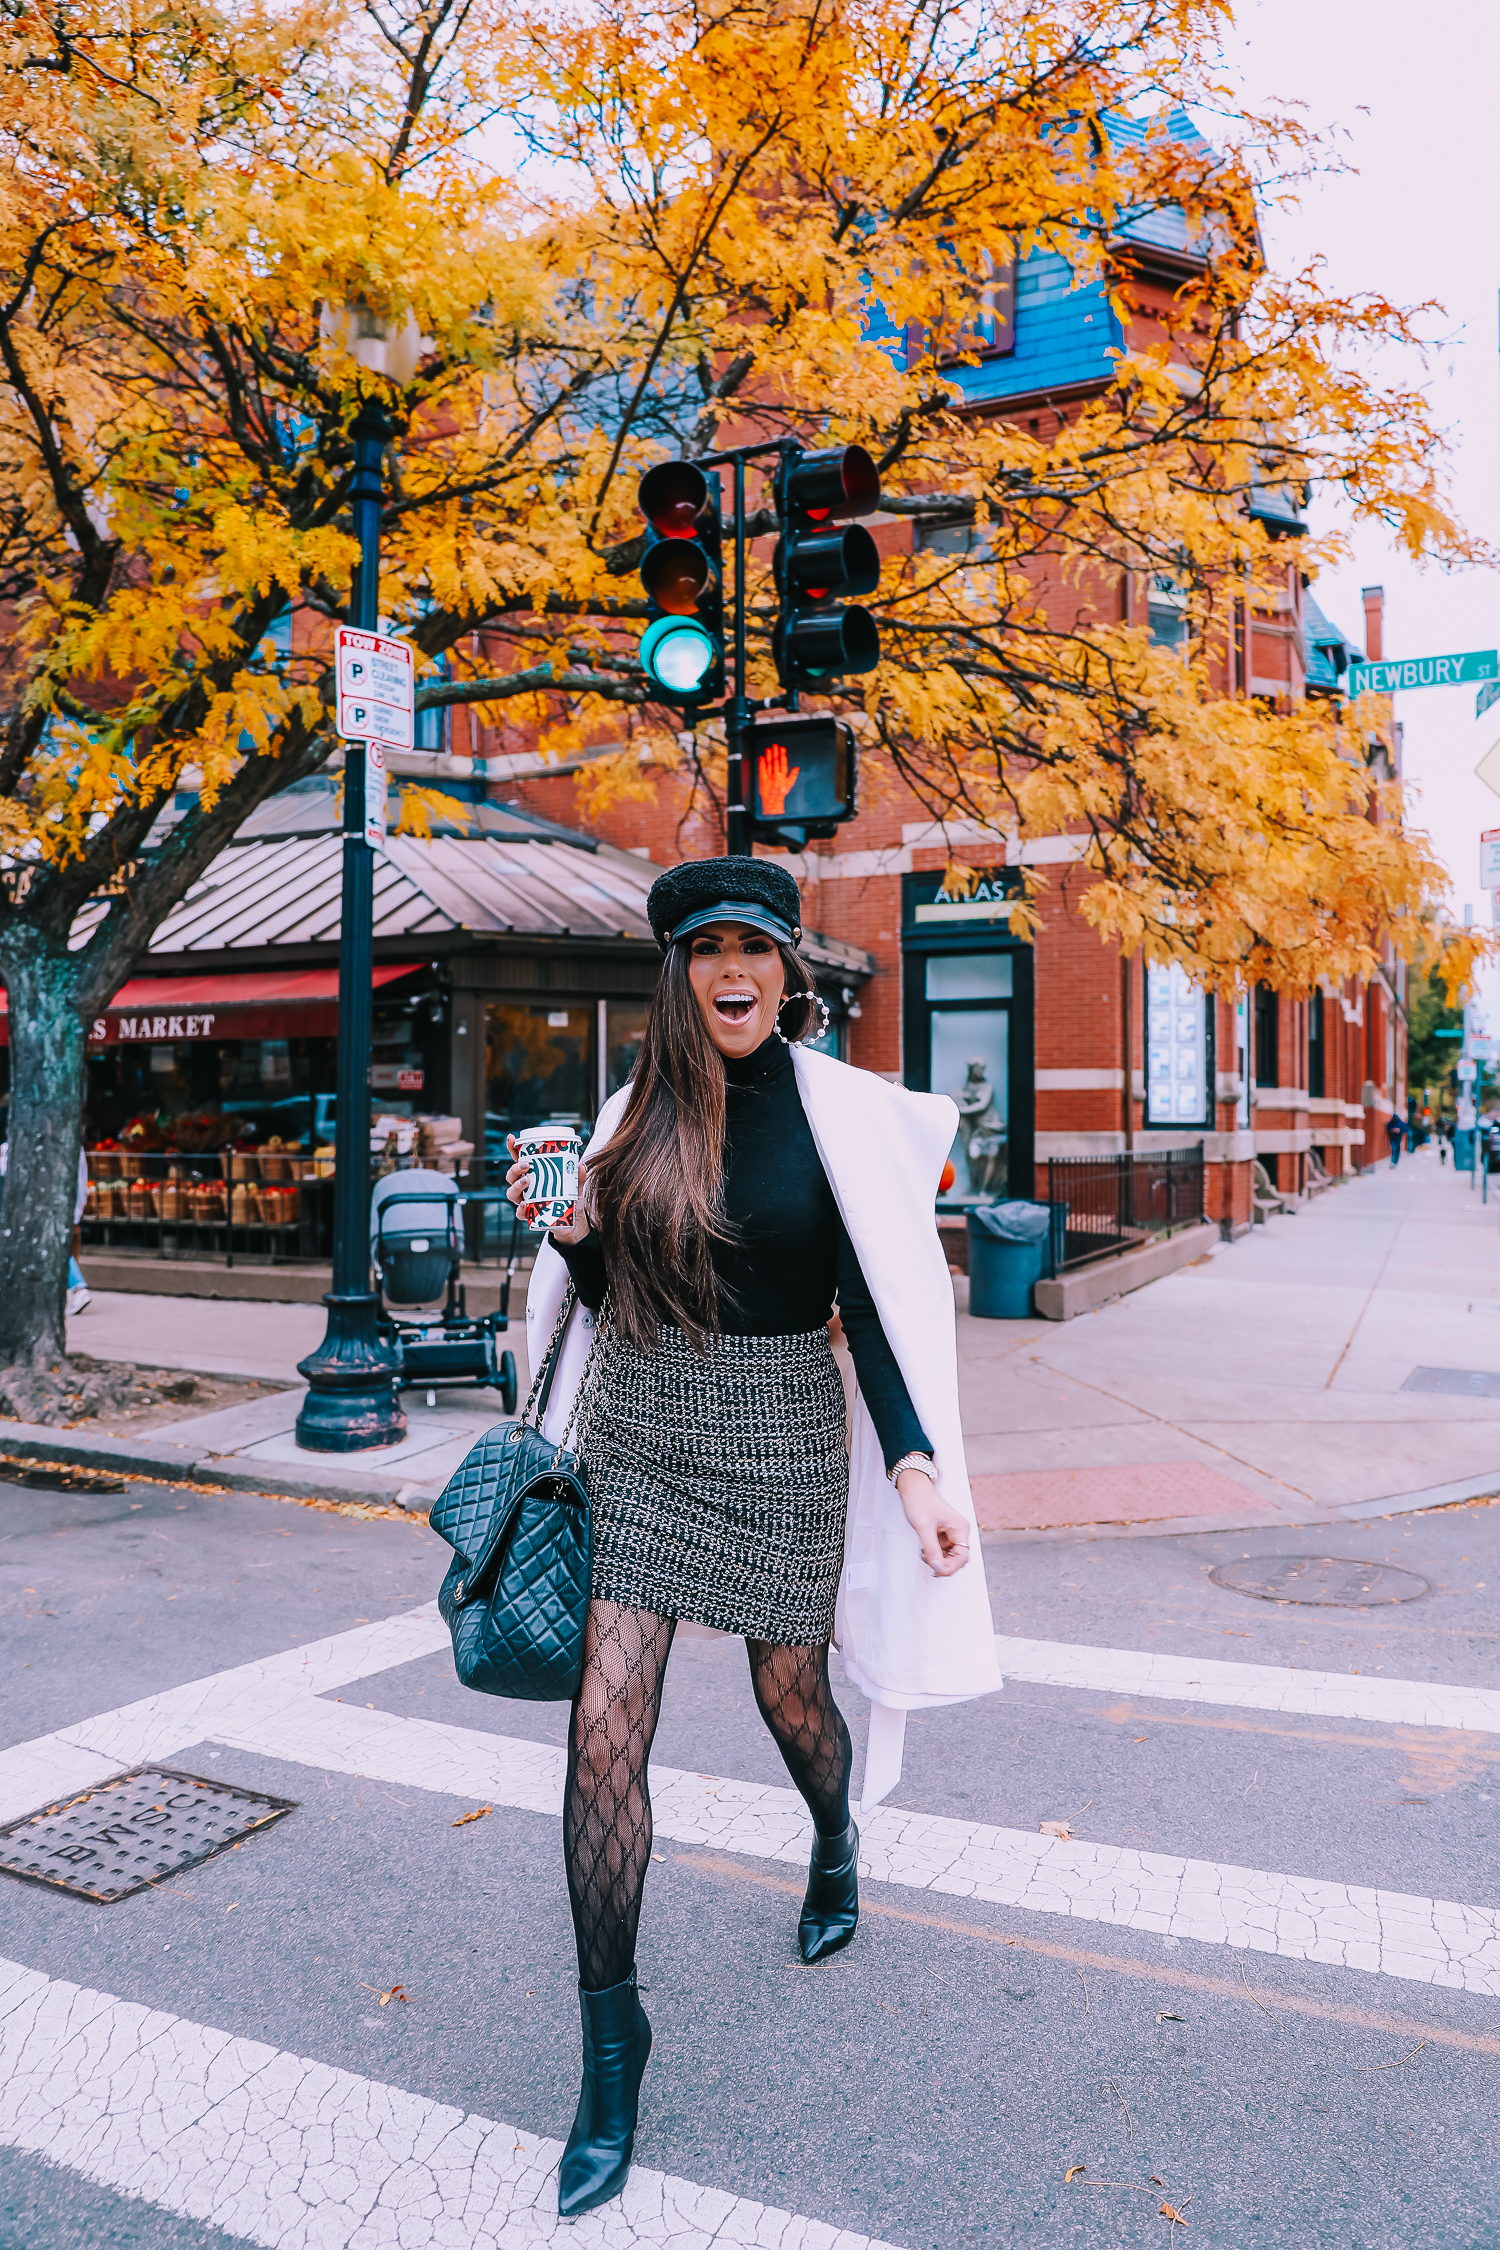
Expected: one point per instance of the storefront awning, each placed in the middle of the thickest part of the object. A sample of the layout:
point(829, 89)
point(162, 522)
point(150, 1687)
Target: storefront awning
point(266, 1004)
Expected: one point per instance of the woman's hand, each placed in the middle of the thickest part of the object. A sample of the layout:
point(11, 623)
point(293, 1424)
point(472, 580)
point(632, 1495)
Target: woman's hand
point(943, 1531)
point(518, 1188)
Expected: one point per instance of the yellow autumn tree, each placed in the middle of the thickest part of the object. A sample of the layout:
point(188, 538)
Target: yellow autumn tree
point(555, 247)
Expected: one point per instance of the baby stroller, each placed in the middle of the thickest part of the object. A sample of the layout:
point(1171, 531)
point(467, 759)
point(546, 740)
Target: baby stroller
point(416, 1243)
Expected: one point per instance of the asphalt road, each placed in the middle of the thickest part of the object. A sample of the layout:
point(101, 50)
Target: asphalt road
point(934, 2085)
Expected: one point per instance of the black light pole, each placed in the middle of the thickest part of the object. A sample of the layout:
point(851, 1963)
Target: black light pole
point(351, 1403)
point(741, 711)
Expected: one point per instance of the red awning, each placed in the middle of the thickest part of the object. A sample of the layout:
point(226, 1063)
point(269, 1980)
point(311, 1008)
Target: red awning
point(255, 1004)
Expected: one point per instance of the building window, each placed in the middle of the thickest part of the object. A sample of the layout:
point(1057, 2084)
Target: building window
point(432, 723)
point(1267, 1037)
point(539, 1065)
point(981, 322)
point(626, 1029)
point(975, 543)
point(1317, 1071)
point(1177, 1049)
point(1166, 613)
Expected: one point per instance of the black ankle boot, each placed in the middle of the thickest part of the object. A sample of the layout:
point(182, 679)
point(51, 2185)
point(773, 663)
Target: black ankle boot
point(830, 1911)
point(616, 2042)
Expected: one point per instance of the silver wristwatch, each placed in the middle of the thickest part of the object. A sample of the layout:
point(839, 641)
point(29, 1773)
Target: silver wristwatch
point(921, 1462)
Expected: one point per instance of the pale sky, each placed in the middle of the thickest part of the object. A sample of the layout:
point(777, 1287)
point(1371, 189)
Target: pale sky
point(1413, 93)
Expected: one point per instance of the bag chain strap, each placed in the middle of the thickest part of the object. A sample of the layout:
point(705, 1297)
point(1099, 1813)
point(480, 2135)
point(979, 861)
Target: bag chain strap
point(585, 1380)
point(570, 1299)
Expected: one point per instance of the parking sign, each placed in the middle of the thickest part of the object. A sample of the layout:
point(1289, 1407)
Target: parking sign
point(376, 685)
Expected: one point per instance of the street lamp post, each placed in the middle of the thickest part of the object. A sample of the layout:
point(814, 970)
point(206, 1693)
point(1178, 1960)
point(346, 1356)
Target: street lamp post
point(351, 1402)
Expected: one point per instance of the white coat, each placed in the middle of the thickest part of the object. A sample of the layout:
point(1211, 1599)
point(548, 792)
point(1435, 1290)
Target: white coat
point(906, 1638)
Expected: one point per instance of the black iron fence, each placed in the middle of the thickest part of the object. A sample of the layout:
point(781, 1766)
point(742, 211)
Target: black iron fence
point(1104, 1204)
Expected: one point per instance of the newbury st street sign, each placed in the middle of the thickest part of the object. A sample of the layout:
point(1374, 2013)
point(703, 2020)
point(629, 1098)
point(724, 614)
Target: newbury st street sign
point(1424, 671)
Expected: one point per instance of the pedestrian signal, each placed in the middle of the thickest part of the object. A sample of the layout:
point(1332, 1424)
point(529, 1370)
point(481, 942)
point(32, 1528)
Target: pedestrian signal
point(801, 780)
point(682, 651)
point(821, 558)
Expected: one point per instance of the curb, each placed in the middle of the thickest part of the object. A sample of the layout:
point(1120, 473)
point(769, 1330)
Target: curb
point(1315, 1519)
point(177, 1465)
point(174, 1464)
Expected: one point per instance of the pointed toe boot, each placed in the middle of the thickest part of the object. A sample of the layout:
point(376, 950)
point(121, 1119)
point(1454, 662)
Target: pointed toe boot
point(830, 1911)
point(616, 2042)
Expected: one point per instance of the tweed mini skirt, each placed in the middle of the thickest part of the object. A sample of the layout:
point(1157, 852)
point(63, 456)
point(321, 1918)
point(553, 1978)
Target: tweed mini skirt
point(720, 1482)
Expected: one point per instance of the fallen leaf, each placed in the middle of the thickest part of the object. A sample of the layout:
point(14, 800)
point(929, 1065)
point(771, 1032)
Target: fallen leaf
point(1056, 1828)
point(230, 1909)
point(1140, 1738)
point(397, 1992)
point(1074, 2172)
point(1170, 2211)
point(1164, 2018)
point(464, 1818)
point(1155, 2179)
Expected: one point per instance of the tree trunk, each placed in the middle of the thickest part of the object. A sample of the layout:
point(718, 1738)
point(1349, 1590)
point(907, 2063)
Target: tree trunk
point(47, 1048)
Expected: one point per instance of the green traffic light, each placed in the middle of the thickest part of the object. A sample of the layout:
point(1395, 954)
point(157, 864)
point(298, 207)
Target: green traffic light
point(679, 654)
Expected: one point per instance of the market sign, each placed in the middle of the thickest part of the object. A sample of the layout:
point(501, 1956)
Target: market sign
point(1489, 859)
point(108, 1030)
point(1424, 671)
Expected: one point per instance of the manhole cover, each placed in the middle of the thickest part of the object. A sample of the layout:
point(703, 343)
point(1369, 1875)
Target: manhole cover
point(1455, 1382)
point(1319, 1581)
point(141, 1829)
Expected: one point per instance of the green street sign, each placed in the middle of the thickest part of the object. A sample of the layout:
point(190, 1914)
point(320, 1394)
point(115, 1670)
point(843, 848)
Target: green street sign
point(1425, 671)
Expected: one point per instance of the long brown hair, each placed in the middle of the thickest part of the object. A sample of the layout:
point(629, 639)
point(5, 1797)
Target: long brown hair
point(656, 1189)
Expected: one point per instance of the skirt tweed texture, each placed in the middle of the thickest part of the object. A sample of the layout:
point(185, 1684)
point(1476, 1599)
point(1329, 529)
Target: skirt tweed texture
point(720, 1482)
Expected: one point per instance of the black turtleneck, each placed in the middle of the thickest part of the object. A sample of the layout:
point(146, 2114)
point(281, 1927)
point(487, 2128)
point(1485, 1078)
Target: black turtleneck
point(790, 1255)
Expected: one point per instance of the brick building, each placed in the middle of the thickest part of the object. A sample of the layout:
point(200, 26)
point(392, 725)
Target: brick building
point(1060, 1049)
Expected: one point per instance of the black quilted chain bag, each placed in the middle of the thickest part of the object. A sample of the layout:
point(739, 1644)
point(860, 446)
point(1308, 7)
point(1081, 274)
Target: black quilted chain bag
point(516, 1514)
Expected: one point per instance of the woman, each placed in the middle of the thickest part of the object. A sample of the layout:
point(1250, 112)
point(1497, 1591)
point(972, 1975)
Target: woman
point(731, 1193)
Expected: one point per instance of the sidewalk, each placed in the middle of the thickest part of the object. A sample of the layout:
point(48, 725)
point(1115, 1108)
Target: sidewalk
point(1278, 1380)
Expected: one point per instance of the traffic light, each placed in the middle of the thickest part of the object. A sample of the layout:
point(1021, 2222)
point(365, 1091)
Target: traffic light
point(821, 559)
point(682, 571)
point(801, 780)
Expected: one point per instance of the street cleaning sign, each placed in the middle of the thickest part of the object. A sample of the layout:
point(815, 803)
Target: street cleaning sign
point(1425, 671)
point(376, 683)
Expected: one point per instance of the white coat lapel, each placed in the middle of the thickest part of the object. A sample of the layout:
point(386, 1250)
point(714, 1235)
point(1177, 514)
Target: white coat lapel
point(906, 1638)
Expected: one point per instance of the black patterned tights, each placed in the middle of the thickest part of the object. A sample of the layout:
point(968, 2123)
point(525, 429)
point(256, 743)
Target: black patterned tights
point(607, 1804)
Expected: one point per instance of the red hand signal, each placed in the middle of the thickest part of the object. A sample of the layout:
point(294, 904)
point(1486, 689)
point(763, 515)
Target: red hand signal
point(775, 780)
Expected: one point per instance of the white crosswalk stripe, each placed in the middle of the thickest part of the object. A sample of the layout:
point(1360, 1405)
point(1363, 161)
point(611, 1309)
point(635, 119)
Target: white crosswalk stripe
point(276, 1707)
point(1250, 1687)
point(294, 2155)
point(1430, 1941)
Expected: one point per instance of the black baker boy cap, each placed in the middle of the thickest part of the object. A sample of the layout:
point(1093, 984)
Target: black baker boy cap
point(752, 891)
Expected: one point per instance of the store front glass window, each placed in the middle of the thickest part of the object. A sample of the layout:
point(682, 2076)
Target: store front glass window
point(1177, 1058)
point(539, 1064)
point(626, 1021)
point(970, 1048)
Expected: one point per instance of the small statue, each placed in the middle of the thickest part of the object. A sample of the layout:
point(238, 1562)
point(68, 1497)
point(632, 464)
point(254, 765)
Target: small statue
point(979, 1146)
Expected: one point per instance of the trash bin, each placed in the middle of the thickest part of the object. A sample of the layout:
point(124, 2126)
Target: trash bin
point(1007, 1253)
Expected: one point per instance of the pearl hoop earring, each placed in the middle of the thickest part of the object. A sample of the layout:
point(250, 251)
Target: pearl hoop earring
point(817, 1001)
